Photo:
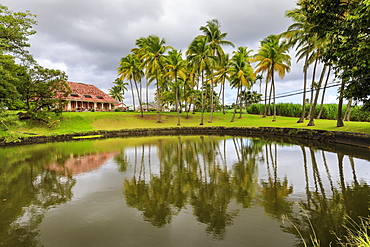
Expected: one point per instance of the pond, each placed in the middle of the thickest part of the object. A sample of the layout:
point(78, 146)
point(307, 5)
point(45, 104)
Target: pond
point(179, 191)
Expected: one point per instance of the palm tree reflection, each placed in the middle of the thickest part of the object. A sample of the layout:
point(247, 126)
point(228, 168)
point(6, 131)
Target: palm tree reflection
point(194, 173)
point(208, 173)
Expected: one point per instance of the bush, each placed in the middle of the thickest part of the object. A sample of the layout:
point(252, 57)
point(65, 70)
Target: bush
point(329, 111)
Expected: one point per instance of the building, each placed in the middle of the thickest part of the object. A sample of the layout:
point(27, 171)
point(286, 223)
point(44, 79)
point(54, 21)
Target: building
point(88, 97)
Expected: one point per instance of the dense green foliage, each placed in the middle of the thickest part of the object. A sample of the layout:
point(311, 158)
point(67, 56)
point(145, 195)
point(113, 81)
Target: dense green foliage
point(23, 83)
point(345, 26)
point(294, 110)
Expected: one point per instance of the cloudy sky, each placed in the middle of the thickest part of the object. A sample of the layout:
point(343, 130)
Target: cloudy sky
point(87, 38)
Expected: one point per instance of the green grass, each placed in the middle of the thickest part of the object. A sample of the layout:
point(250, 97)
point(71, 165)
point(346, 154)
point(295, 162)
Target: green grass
point(79, 122)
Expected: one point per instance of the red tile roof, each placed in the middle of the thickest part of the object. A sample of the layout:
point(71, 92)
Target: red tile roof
point(86, 92)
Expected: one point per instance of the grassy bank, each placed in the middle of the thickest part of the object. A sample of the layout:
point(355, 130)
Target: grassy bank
point(73, 122)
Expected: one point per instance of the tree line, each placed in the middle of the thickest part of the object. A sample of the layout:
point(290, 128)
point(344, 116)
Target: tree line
point(24, 84)
point(333, 34)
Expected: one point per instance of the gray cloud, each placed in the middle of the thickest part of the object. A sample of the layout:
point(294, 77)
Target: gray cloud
point(87, 38)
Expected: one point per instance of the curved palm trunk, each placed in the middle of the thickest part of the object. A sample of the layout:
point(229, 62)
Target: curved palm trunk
point(222, 93)
point(313, 105)
point(312, 88)
point(323, 94)
point(236, 104)
point(301, 119)
point(133, 96)
point(139, 98)
point(240, 105)
point(269, 105)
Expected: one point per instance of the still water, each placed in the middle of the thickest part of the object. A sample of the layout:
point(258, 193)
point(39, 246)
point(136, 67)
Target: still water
point(178, 191)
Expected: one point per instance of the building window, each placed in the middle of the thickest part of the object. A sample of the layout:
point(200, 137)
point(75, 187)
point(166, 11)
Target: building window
point(99, 97)
point(74, 95)
point(87, 96)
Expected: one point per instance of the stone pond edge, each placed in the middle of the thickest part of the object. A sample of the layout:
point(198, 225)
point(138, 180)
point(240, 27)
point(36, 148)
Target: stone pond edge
point(322, 136)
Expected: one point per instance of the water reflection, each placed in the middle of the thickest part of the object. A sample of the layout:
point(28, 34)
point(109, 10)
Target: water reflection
point(29, 190)
point(205, 176)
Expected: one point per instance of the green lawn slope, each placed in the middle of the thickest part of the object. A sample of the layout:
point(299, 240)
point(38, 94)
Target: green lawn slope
point(74, 122)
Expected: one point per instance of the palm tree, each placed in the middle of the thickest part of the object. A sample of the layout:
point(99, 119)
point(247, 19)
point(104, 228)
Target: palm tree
point(118, 90)
point(298, 34)
point(116, 93)
point(176, 68)
point(152, 54)
point(260, 78)
point(131, 69)
point(272, 57)
point(200, 56)
point(215, 40)
point(241, 74)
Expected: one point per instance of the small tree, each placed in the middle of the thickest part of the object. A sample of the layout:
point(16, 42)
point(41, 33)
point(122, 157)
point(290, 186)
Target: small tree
point(43, 92)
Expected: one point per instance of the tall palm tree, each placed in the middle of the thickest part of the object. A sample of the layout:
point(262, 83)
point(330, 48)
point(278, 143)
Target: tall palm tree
point(176, 67)
point(152, 51)
point(131, 69)
point(241, 74)
point(272, 57)
point(299, 34)
point(200, 56)
point(216, 39)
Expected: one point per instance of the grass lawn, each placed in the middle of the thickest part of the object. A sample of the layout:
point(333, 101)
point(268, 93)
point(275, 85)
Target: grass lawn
point(87, 121)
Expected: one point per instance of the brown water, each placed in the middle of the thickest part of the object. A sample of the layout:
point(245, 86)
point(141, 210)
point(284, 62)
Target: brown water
point(178, 191)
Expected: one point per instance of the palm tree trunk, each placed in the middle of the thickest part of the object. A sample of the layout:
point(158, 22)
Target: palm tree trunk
point(195, 97)
point(177, 101)
point(223, 96)
point(240, 104)
point(313, 105)
point(159, 104)
point(265, 109)
point(202, 96)
point(305, 68)
point(147, 95)
point(274, 94)
point(347, 113)
point(312, 88)
point(185, 103)
point(212, 99)
point(269, 105)
point(132, 93)
point(340, 105)
point(139, 98)
point(323, 94)
point(236, 104)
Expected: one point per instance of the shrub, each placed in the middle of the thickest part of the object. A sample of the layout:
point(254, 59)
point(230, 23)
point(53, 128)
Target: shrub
point(329, 111)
